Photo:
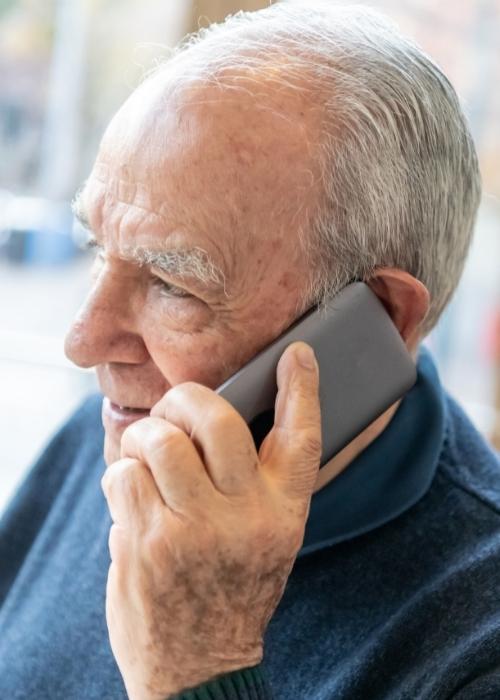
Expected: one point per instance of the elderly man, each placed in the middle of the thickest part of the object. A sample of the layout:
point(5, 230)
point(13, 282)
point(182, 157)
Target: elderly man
point(271, 161)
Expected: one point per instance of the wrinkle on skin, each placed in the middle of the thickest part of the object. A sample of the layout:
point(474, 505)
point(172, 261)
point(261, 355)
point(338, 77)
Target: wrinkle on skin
point(232, 187)
point(221, 171)
point(170, 172)
point(174, 172)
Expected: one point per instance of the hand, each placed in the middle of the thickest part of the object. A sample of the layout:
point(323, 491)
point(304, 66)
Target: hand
point(205, 530)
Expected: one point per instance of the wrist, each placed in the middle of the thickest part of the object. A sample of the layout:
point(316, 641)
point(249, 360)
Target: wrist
point(241, 684)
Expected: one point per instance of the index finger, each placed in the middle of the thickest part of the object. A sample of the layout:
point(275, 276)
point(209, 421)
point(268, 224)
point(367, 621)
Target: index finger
point(217, 430)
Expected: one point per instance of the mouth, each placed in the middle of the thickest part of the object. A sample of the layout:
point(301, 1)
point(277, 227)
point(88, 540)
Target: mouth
point(128, 409)
point(116, 417)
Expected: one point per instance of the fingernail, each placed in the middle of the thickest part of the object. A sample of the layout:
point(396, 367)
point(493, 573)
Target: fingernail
point(305, 357)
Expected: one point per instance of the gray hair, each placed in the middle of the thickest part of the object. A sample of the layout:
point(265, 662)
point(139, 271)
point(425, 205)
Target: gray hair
point(399, 182)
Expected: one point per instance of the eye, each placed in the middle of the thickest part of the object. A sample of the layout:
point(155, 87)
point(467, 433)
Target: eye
point(170, 290)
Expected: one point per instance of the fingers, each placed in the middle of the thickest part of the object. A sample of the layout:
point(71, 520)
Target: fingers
point(132, 495)
point(219, 433)
point(292, 450)
point(175, 464)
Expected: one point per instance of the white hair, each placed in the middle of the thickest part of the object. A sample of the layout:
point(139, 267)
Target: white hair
point(195, 262)
point(399, 182)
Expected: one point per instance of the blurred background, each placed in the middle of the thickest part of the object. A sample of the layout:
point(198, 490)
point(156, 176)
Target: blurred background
point(65, 67)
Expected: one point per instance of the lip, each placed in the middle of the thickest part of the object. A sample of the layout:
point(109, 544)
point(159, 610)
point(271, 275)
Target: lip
point(113, 416)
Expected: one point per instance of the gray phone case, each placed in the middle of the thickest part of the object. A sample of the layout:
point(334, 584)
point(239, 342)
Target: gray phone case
point(364, 367)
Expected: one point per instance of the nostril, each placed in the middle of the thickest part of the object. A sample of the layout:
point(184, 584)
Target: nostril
point(97, 338)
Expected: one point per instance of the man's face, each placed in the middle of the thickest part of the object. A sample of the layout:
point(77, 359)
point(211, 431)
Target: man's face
point(206, 169)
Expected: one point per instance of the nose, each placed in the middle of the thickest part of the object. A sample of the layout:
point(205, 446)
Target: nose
point(106, 327)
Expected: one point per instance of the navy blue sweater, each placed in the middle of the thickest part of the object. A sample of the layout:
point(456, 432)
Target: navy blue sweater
point(395, 593)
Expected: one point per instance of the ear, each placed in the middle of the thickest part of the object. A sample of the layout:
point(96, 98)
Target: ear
point(405, 299)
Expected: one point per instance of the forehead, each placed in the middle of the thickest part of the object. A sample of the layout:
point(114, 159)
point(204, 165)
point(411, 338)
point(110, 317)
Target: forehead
point(220, 166)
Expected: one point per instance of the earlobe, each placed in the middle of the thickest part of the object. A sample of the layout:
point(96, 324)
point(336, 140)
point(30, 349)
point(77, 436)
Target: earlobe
point(406, 300)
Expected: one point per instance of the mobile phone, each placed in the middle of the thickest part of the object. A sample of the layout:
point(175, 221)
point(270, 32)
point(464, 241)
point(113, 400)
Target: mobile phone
point(364, 367)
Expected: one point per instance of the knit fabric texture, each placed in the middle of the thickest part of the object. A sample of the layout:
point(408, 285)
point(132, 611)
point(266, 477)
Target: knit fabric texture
point(395, 594)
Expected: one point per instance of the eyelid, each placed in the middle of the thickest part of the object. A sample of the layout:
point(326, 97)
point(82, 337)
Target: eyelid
point(179, 292)
point(92, 244)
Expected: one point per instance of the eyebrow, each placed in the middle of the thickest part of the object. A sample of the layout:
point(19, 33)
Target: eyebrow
point(194, 263)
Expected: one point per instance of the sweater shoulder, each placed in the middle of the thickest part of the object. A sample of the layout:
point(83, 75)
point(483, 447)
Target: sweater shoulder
point(467, 460)
point(86, 417)
point(67, 457)
point(80, 437)
point(81, 434)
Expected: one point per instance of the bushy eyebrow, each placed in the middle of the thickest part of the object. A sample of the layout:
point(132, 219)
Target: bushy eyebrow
point(194, 263)
point(181, 262)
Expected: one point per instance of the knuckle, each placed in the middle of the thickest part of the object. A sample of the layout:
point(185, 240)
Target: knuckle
point(178, 392)
point(131, 434)
point(177, 397)
point(171, 401)
point(163, 439)
point(311, 446)
point(124, 478)
point(130, 442)
point(221, 420)
point(174, 394)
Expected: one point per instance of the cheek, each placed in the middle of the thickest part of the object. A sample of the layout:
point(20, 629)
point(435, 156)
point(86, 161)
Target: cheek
point(194, 343)
point(208, 357)
point(200, 357)
point(189, 343)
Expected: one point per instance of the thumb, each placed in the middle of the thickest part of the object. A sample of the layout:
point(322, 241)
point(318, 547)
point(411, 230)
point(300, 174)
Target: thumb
point(291, 452)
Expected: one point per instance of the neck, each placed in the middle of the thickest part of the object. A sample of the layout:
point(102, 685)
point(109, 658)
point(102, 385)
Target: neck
point(342, 460)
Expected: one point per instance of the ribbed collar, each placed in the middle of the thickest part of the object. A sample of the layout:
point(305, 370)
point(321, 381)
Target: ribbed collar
point(390, 475)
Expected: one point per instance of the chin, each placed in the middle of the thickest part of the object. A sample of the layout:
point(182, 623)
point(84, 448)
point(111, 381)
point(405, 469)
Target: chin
point(111, 450)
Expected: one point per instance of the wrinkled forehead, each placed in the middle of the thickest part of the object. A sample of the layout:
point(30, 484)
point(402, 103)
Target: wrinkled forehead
point(238, 159)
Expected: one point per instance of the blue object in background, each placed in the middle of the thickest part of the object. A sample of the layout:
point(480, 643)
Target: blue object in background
point(49, 248)
point(39, 232)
